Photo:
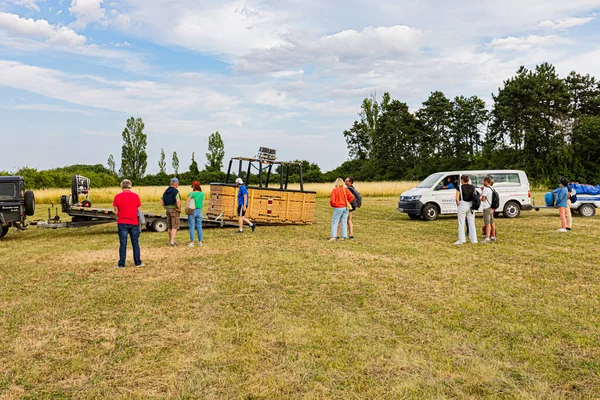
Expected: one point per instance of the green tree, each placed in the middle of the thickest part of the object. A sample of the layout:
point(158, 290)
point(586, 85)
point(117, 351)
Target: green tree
point(134, 159)
point(175, 163)
point(216, 152)
point(436, 116)
point(359, 138)
point(162, 164)
point(111, 164)
point(194, 171)
point(531, 117)
point(468, 121)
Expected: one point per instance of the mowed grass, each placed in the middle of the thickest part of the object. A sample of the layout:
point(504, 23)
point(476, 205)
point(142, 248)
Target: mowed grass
point(283, 313)
point(154, 193)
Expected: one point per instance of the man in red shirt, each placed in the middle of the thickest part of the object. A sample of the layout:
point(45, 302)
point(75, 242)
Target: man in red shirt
point(127, 204)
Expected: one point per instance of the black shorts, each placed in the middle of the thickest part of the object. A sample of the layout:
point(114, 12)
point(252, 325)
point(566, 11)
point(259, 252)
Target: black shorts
point(240, 210)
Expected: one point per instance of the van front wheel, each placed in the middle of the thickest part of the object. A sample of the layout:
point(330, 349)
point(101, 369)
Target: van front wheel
point(511, 210)
point(430, 212)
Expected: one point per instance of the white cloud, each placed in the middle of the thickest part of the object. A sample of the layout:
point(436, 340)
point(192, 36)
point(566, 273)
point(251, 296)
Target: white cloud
point(58, 35)
point(526, 43)
point(287, 74)
point(86, 12)
point(379, 41)
point(122, 21)
point(564, 23)
point(59, 12)
point(30, 4)
point(372, 44)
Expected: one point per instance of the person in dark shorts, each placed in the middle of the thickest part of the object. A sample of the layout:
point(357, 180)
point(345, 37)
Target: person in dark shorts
point(171, 201)
point(126, 206)
point(243, 206)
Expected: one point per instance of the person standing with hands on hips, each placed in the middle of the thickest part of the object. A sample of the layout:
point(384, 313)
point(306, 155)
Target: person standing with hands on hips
point(243, 206)
point(126, 206)
point(171, 201)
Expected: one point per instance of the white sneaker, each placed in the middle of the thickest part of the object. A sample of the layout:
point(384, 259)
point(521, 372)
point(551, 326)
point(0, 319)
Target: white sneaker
point(191, 244)
point(561, 230)
point(199, 243)
point(486, 241)
point(458, 242)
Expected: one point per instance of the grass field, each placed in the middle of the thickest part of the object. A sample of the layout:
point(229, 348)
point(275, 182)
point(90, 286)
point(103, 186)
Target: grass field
point(282, 313)
point(153, 193)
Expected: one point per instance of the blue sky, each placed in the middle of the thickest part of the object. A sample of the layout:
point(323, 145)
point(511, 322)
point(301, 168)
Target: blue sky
point(287, 74)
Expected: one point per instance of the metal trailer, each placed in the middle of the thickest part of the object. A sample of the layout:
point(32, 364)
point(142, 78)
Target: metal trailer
point(88, 216)
point(585, 205)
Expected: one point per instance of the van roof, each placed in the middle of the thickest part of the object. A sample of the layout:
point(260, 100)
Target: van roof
point(482, 171)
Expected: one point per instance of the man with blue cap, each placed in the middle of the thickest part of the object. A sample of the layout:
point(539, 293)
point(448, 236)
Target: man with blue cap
point(171, 201)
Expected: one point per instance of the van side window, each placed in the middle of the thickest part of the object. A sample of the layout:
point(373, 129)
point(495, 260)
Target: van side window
point(506, 179)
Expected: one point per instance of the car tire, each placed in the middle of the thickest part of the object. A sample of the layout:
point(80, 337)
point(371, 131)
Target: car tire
point(29, 203)
point(414, 216)
point(160, 225)
point(430, 212)
point(4, 230)
point(511, 209)
point(587, 210)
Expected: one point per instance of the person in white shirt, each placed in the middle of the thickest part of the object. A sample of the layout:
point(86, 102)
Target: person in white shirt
point(488, 212)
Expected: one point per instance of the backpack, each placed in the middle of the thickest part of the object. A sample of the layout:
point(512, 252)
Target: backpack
point(573, 196)
point(495, 203)
point(476, 203)
point(357, 202)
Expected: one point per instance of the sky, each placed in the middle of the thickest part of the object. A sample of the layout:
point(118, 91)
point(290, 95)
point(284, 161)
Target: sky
point(286, 74)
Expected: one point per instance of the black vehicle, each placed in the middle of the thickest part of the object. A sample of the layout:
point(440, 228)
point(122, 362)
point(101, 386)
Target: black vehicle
point(16, 203)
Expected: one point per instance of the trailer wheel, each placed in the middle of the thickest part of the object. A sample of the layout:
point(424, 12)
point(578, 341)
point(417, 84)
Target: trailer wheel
point(86, 204)
point(29, 203)
point(587, 210)
point(160, 225)
point(4, 230)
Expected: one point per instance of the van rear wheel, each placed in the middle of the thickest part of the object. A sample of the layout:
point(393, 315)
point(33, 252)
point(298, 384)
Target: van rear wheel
point(511, 210)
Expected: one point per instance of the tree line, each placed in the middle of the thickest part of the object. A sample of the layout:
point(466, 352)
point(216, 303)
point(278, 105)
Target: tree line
point(541, 123)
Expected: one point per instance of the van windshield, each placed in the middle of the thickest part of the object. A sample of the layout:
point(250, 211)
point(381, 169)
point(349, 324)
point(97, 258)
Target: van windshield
point(430, 181)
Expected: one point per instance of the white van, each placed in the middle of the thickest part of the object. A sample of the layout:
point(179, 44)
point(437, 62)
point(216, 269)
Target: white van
point(437, 194)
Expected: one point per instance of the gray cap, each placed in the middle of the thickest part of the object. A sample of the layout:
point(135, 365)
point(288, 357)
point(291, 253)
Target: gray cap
point(174, 180)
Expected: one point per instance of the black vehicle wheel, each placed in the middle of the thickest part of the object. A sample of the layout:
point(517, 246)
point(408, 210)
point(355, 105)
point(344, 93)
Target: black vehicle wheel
point(29, 203)
point(511, 210)
point(160, 225)
point(587, 210)
point(4, 230)
point(414, 216)
point(430, 212)
point(86, 204)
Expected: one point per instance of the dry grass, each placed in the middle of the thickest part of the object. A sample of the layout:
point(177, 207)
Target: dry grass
point(283, 313)
point(153, 193)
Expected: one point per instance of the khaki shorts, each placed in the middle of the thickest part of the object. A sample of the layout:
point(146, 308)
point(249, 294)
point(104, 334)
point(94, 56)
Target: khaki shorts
point(173, 218)
point(488, 216)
